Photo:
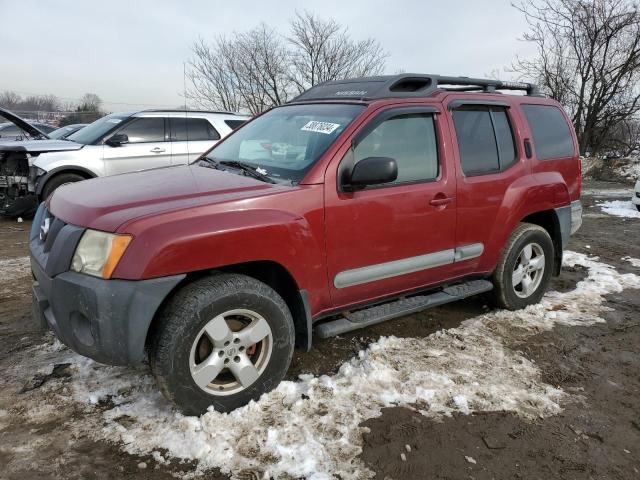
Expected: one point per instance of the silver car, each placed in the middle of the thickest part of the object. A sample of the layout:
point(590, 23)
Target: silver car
point(118, 143)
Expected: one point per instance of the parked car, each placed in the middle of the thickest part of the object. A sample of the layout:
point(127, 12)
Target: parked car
point(359, 201)
point(63, 132)
point(9, 131)
point(636, 195)
point(117, 143)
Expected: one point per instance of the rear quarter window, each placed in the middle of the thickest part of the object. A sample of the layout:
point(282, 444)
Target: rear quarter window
point(233, 124)
point(551, 133)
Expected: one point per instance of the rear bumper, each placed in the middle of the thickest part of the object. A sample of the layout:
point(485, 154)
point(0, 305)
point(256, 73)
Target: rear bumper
point(576, 216)
point(106, 320)
point(569, 220)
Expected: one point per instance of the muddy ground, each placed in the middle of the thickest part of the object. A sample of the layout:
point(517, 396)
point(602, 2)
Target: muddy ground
point(597, 436)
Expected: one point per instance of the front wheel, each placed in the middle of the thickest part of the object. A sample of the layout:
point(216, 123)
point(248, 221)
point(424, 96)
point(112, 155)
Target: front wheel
point(57, 181)
point(222, 341)
point(524, 270)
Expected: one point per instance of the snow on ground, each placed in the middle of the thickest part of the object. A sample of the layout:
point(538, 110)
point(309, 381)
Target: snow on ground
point(620, 208)
point(310, 427)
point(633, 261)
point(631, 170)
point(608, 192)
point(13, 268)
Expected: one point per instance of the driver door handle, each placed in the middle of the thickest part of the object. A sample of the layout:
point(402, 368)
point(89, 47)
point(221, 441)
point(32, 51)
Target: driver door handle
point(157, 150)
point(440, 200)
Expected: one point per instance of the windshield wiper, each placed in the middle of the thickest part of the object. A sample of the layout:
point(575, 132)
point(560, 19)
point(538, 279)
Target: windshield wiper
point(246, 168)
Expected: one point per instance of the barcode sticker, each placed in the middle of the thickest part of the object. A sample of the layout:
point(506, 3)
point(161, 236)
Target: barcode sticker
point(320, 127)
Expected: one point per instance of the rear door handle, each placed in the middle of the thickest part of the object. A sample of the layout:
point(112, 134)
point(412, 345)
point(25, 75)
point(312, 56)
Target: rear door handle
point(157, 150)
point(440, 201)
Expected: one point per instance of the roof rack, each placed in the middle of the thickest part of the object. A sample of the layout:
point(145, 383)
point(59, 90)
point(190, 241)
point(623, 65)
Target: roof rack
point(182, 110)
point(406, 85)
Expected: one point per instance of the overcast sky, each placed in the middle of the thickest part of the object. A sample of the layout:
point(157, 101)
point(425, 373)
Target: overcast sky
point(131, 52)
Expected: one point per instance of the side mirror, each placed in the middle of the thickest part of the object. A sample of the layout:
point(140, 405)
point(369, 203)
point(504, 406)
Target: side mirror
point(372, 171)
point(117, 140)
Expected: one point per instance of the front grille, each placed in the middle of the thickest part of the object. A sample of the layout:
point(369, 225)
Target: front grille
point(53, 242)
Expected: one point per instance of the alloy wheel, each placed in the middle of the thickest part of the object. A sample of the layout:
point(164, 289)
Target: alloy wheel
point(528, 270)
point(230, 352)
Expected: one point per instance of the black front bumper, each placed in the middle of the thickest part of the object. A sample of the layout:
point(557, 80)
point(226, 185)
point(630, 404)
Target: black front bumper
point(106, 320)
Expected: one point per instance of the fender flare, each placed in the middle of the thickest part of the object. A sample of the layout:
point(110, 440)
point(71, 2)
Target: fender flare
point(41, 181)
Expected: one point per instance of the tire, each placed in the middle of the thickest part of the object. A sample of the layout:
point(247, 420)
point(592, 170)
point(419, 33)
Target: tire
point(57, 181)
point(187, 344)
point(513, 265)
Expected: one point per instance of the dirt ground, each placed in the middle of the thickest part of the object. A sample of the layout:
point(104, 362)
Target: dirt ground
point(595, 437)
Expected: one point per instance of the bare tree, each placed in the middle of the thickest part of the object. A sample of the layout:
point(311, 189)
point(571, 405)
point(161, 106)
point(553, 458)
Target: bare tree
point(213, 83)
point(10, 100)
point(624, 138)
point(255, 70)
point(90, 102)
point(588, 58)
point(323, 50)
point(261, 68)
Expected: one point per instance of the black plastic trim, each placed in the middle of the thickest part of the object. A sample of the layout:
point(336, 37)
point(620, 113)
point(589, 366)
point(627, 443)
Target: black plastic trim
point(304, 338)
point(41, 181)
point(489, 103)
point(106, 320)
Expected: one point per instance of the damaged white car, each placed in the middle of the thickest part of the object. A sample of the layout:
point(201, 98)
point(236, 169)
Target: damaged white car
point(118, 143)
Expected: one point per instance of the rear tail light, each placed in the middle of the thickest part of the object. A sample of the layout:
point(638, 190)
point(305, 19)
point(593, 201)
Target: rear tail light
point(579, 177)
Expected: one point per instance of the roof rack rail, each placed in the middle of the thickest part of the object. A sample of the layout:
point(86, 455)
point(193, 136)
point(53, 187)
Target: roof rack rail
point(406, 85)
point(182, 110)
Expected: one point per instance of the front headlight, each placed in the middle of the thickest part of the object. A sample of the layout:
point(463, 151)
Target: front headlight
point(98, 253)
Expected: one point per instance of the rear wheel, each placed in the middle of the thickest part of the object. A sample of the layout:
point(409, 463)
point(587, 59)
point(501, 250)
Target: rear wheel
point(223, 341)
point(57, 181)
point(524, 270)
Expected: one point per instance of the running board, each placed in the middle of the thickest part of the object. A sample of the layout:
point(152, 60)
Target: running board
point(400, 307)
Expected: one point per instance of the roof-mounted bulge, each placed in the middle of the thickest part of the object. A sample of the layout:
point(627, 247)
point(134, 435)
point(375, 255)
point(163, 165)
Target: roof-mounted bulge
point(406, 85)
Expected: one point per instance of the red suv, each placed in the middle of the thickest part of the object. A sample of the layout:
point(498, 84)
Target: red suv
point(359, 201)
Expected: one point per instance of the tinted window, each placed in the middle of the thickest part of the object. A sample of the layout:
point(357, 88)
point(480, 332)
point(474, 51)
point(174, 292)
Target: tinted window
point(485, 139)
point(410, 140)
point(233, 124)
point(142, 130)
point(551, 135)
point(476, 141)
point(504, 137)
point(193, 129)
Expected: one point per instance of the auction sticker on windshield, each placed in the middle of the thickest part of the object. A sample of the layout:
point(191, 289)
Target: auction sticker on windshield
point(320, 127)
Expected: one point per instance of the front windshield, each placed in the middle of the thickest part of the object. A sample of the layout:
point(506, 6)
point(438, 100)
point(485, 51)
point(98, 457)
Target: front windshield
point(60, 132)
point(287, 141)
point(97, 129)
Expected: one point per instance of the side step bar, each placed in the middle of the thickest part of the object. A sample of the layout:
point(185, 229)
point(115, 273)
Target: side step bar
point(400, 307)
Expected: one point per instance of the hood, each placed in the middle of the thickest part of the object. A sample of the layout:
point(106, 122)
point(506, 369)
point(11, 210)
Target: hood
point(23, 124)
point(107, 203)
point(39, 146)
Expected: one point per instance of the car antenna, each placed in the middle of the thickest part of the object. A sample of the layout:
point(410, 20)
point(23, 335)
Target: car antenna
point(184, 93)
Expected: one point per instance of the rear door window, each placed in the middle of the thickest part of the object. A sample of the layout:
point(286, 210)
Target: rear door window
point(551, 134)
point(192, 129)
point(485, 139)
